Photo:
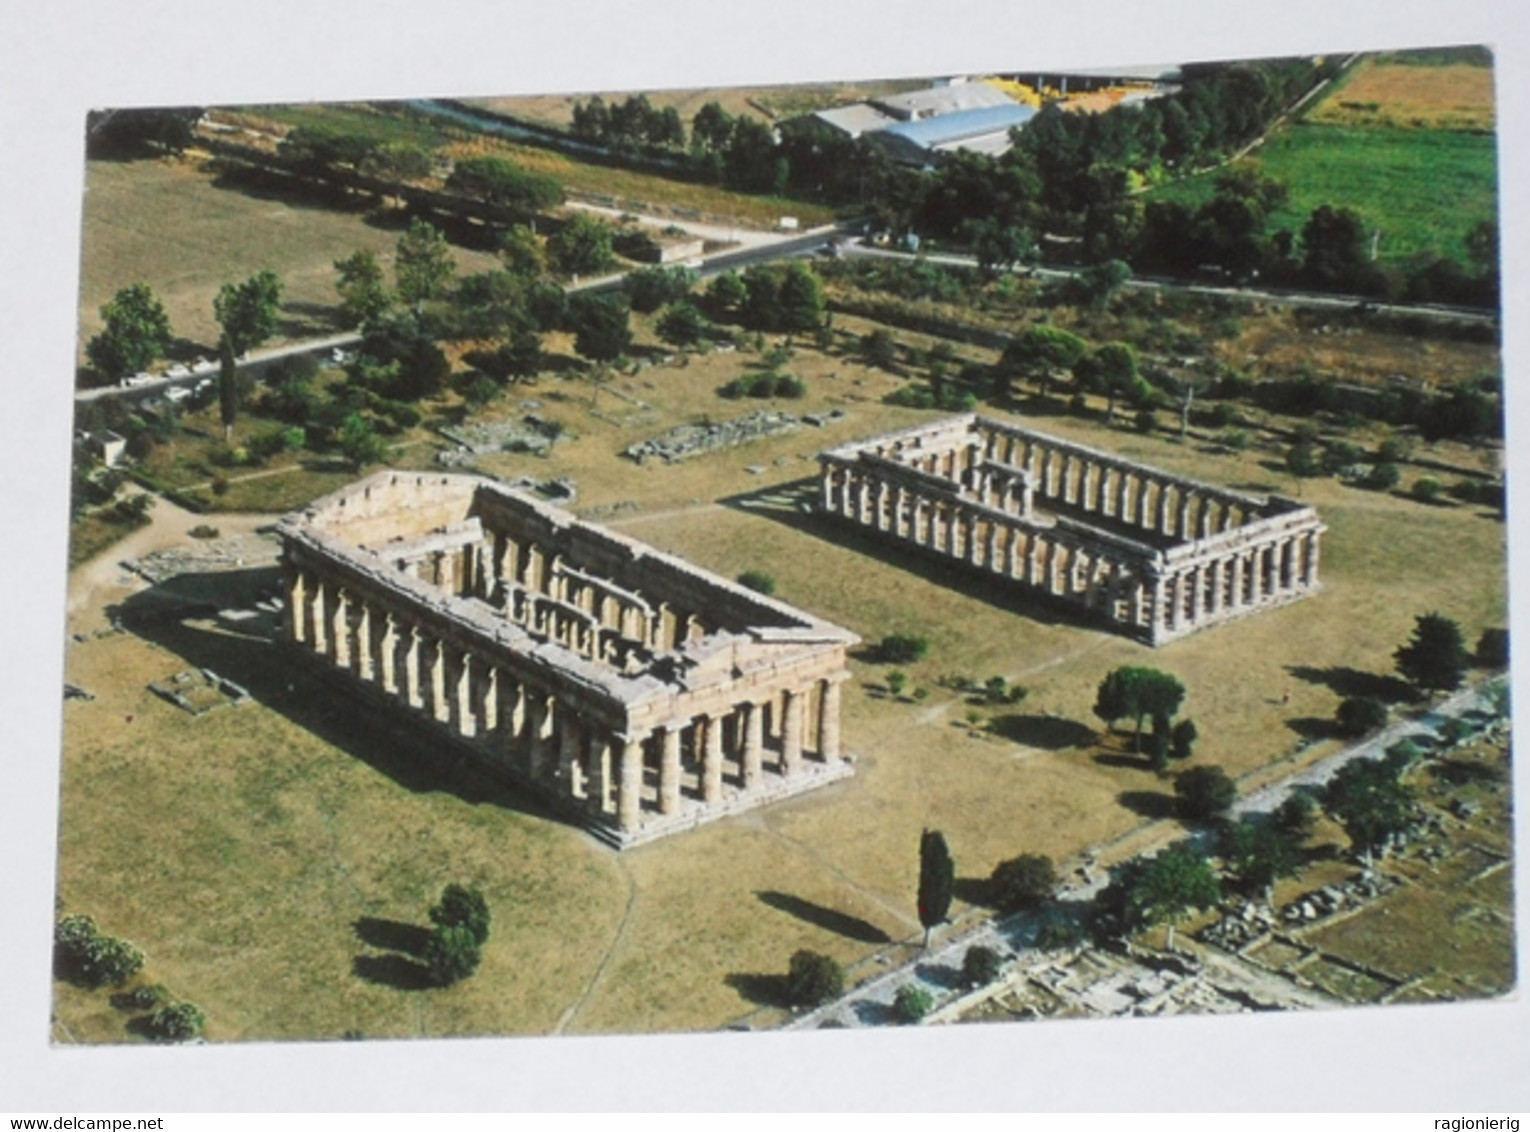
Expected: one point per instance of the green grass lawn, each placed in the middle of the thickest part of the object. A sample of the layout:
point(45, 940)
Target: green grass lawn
point(1423, 188)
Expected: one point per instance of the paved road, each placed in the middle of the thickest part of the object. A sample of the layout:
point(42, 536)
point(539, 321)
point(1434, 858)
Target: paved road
point(870, 1003)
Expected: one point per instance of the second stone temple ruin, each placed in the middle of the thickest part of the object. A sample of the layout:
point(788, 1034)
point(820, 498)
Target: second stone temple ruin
point(1150, 553)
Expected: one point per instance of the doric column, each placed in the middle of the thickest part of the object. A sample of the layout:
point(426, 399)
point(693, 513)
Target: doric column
point(629, 786)
point(453, 686)
point(1310, 566)
point(669, 770)
point(1011, 559)
point(712, 761)
point(1176, 600)
point(1185, 501)
point(972, 546)
point(899, 515)
point(1054, 550)
point(380, 642)
point(570, 748)
point(597, 769)
point(863, 501)
point(336, 631)
point(1123, 489)
point(1162, 525)
point(1272, 569)
point(294, 624)
point(1240, 597)
point(1142, 500)
point(791, 732)
point(828, 720)
point(405, 671)
point(481, 702)
point(754, 744)
point(538, 708)
point(507, 707)
point(1218, 570)
point(990, 556)
point(428, 660)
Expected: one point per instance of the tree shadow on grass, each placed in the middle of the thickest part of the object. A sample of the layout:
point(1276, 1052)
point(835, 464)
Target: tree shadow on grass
point(762, 990)
point(1347, 682)
point(873, 1013)
point(1148, 804)
point(396, 971)
point(392, 935)
point(1313, 727)
point(1124, 762)
point(852, 927)
point(1461, 772)
point(971, 890)
point(1044, 732)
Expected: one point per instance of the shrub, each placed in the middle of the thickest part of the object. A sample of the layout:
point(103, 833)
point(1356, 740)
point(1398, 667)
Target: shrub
point(461, 906)
point(1022, 882)
point(1145, 421)
point(1382, 477)
point(1493, 648)
point(1182, 739)
point(1425, 489)
point(91, 958)
point(903, 648)
point(980, 966)
point(911, 1004)
point(758, 581)
point(1359, 715)
point(452, 954)
point(896, 682)
point(813, 979)
point(141, 998)
point(178, 1023)
point(1204, 792)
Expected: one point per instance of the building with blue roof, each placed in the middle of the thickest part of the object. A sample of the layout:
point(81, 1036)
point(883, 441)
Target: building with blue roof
point(984, 130)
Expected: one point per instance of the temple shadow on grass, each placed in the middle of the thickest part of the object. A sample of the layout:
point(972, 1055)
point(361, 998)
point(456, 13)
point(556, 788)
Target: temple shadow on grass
point(841, 923)
point(1044, 732)
point(392, 935)
point(1148, 804)
point(1344, 681)
point(789, 505)
point(396, 971)
point(395, 744)
point(762, 990)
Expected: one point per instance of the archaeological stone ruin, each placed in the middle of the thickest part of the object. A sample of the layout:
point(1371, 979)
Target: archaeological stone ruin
point(1155, 555)
point(637, 694)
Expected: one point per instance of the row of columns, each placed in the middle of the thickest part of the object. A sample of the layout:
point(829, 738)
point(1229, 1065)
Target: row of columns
point(1230, 584)
point(543, 736)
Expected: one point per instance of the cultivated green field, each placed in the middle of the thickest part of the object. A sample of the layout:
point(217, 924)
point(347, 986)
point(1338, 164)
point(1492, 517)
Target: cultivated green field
point(1424, 189)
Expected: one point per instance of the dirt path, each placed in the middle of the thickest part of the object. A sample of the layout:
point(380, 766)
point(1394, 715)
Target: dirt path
point(102, 580)
point(618, 941)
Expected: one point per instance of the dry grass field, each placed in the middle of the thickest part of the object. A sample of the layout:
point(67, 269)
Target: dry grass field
point(171, 225)
point(1454, 96)
point(275, 858)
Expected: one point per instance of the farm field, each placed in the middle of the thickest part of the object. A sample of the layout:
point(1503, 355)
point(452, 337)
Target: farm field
point(262, 890)
point(1423, 188)
point(1390, 92)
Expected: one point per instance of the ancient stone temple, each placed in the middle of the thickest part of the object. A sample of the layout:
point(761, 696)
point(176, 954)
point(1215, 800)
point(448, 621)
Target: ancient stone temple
point(636, 693)
point(1154, 554)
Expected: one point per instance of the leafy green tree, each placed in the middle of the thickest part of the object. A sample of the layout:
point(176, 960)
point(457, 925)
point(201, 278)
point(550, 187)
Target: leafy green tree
point(1493, 648)
point(1359, 715)
point(582, 246)
point(363, 296)
point(249, 312)
point(1135, 693)
point(726, 295)
point(803, 306)
point(520, 252)
point(1167, 888)
point(91, 958)
point(1296, 817)
point(1022, 882)
point(1041, 352)
point(1112, 370)
point(398, 161)
point(521, 356)
point(1182, 739)
point(136, 331)
point(602, 331)
point(649, 288)
point(1435, 658)
point(880, 349)
point(813, 979)
point(422, 264)
point(1371, 802)
point(1204, 792)
point(141, 131)
point(499, 182)
point(359, 443)
point(911, 1003)
point(999, 246)
point(980, 966)
point(1302, 460)
point(452, 954)
point(682, 325)
point(462, 906)
point(937, 879)
point(1258, 854)
point(762, 299)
